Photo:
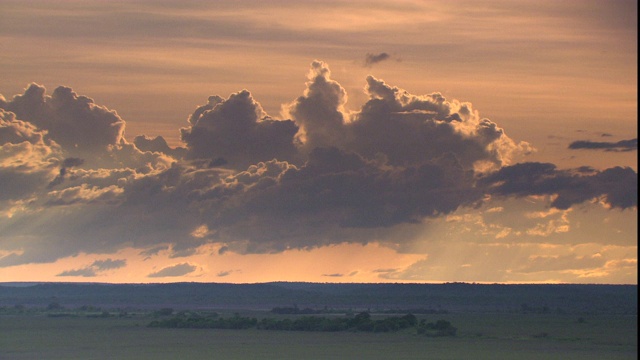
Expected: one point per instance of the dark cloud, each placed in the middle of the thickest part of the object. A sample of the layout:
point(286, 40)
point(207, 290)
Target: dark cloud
point(74, 127)
point(95, 268)
point(371, 59)
point(72, 121)
point(335, 275)
point(158, 144)
point(622, 145)
point(84, 272)
point(398, 126)
point(66, 163)
point(237, 133)
point(617, 186)
point(174, 270)
point(148, 253)
point(71, 162)
point(346, 189)
point(409, 129)
point(254, 184)
point(15, 131)
point(109, 264)
point(320, 110)
point(28, 160)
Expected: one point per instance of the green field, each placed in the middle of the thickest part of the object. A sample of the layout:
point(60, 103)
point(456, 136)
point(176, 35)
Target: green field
point(480, 336)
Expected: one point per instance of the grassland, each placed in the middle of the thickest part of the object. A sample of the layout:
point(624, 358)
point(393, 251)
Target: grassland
point(106, 321)
point(38, 335)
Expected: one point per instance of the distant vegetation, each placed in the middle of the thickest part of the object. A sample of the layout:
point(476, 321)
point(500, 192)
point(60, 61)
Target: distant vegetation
point(360, 322)
point(439, 328)
point(295, 310)
point(236, 322)
point(314, 298)
point(62, 327)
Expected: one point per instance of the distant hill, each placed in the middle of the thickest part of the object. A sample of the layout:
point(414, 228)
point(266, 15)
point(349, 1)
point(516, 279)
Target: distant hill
point(450, 297)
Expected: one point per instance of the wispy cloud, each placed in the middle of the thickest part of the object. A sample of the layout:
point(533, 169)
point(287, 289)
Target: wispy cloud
point(95, 268)
point(336, 275)
point(174, 271)
point(622, 145)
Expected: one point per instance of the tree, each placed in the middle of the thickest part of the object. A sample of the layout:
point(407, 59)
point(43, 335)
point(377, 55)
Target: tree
point(439, 328)
point(54, 305)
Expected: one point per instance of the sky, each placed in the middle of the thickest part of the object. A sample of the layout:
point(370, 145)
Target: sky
point(320, 141)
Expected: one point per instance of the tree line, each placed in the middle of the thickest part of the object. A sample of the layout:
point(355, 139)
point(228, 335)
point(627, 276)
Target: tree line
point(360, 322)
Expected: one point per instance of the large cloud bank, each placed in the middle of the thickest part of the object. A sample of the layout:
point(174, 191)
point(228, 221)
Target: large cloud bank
point(252, 183)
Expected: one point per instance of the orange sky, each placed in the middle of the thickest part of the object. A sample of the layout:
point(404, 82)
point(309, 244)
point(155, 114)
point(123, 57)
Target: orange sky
point(361, 150)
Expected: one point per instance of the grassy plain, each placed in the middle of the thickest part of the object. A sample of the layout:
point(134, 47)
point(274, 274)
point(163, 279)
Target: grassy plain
point(480, 336)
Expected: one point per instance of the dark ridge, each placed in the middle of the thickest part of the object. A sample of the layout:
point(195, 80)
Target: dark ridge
point(451, 297)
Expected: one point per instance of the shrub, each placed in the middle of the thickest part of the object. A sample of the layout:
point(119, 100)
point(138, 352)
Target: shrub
point(439, 328)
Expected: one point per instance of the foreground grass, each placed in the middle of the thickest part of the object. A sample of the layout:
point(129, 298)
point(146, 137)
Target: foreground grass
point(480, 336)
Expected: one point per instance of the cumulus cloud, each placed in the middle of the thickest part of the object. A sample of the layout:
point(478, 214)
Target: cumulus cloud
point(174, 271)
point(237, 133)
point(79, 129)
point(622, 145)
point(75, 122)
point(255, 184)
point(28, 161)
point(158, 144)
point(402, 128)
point(320, 110)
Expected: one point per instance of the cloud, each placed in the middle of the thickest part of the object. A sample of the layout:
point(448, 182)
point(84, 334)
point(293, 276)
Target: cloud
point(237, 133)
point(95, 268)
point(562, 263)
point(75, 122)
point(394, 124)
point(341, 190)
point(158, 144)
point(251, 183)
point(518, 262)
point(408, 128)
point(225, 273)
point(28, 160)
point(371, 59)
point(148, 253)
point(66, 163)
point(319, 112)
point(335, 275)
point(622, 145)
point(108, 264)
point(616, 186)
point(174, 271)
point(84, 272)
point(72, 126)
